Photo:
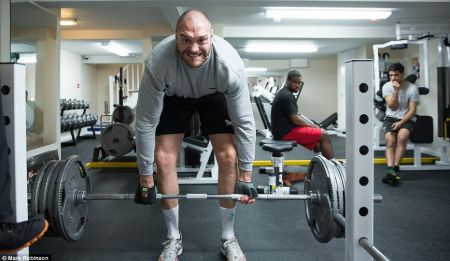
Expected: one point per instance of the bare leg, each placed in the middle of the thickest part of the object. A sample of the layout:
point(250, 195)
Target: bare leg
point(391, 140)
point(166, 154)
point(325, 145)
point(316, 148)
point(225, 152)
point(402, 139)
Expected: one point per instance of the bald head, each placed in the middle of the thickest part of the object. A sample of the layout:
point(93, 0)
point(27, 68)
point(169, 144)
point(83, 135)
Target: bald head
point(194, 38)
point(193, 18)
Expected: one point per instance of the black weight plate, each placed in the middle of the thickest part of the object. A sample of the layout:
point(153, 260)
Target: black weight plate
point(340, 193)
point(319, 216)
point(51, 196)
point(343, 174)
point(70, 216)
point(332, 173)
point(117, 139)
point(58, 198)
point(37, 182)
point(123, 114)
point(339, 187)
point(43, 189)
point(343, 180)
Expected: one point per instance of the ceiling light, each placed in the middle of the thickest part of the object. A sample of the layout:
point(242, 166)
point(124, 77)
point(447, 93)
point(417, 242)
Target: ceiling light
point(255, 69)
point(328, 13)
point(272, 48)
point(27, 58)
point(68, 22)
point(114, 48)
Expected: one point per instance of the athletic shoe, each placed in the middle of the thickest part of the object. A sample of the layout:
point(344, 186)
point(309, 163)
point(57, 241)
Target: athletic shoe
point(391, 176)
point(172, 249)
point(14, 237)
point(232, 250)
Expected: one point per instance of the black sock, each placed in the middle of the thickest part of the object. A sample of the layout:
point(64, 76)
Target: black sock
point(396, 168)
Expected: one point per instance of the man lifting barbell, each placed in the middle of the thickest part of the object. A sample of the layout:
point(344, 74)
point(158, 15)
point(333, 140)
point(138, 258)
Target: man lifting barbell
point(195, 71)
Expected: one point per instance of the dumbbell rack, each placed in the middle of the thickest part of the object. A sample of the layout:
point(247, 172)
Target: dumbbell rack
point(79, 105)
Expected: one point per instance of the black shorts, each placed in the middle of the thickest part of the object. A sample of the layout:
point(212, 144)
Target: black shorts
point(389, 121)
point(178, 111)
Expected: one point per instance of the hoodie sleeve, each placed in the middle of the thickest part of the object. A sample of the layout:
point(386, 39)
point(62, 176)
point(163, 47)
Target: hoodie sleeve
point(148, 111)
point(241, 114)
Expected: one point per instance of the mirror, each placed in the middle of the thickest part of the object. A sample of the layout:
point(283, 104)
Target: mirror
point(35, 43)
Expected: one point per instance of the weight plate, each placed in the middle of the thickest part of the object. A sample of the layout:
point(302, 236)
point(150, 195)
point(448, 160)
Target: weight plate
point(117, 139)
point(339, 186)
point(319, 215)
point(333, 189)
point(57, 197)
point(341, 167)
point(71, 215)
point(51, 196)
point(343, 172)
point(43, 189)
point(123, 114)
point(37, 182)
point(339, 232)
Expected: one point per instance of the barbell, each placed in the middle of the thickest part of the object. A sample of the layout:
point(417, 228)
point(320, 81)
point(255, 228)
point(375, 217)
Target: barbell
point(61, 191)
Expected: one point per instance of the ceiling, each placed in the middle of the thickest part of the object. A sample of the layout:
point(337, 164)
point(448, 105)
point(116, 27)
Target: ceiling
point(241, 22)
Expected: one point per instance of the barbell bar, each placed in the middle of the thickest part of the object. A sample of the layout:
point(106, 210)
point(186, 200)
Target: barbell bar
point(310, 196)
point(196, 196)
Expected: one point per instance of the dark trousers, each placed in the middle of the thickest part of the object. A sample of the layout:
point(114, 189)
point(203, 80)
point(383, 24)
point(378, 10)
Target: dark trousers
point(5, 178)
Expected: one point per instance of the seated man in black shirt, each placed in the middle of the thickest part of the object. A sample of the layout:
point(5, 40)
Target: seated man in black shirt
point(288, 125)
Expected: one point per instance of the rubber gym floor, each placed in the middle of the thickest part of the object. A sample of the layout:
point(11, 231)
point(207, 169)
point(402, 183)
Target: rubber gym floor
point(412, 222)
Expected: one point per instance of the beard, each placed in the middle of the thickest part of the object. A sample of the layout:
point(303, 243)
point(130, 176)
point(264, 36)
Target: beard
point(194, 60)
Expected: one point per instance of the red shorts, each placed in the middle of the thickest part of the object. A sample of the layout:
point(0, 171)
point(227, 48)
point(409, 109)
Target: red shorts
point(305, 136)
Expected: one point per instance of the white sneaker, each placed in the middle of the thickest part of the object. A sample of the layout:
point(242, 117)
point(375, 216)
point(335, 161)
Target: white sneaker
point(172, 249)
point(232, 250)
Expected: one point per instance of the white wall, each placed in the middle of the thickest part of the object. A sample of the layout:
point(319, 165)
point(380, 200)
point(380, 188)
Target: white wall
point(88, 82)
point(70, 81)
point(103, 71)
point(318, 98)
point(89, 86)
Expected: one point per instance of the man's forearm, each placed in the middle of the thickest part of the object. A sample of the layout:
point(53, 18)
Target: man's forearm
point(393, 102)
point(408, 116)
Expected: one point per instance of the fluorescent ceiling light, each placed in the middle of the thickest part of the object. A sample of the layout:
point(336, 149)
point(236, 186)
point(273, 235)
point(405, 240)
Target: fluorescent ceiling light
point(27, 58)
point(328, 13)
point(256, 69)
point(68, 22)
point(114, 48)
point(273, 48)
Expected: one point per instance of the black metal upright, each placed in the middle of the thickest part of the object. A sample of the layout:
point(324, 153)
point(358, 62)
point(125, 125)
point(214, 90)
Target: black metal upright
point(120, 88)
point(443, 85)
point(443, 82)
